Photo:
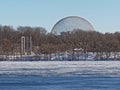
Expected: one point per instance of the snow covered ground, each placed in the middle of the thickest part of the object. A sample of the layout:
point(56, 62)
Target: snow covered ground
point(62, 68)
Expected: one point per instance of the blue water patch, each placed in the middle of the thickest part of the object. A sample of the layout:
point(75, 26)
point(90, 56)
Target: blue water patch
point(59, 83)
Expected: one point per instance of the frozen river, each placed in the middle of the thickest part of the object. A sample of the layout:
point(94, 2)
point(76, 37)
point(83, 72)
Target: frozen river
point(57, 75)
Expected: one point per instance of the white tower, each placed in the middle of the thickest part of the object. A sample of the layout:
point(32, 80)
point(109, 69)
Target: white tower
point(23, 45)
point(30, 45)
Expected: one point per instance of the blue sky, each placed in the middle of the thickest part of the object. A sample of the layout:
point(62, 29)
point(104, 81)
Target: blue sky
point(104, 15)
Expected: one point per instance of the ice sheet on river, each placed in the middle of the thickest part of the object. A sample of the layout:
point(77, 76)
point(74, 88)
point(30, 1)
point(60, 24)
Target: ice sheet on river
point(62, 68)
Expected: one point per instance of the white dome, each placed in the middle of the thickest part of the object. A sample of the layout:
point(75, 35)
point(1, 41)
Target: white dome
point(71, 23)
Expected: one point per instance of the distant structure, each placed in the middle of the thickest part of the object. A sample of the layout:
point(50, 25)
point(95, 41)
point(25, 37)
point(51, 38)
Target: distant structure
point(71, 23)
point(30, 45)
point(26, 45)
point(23, 45)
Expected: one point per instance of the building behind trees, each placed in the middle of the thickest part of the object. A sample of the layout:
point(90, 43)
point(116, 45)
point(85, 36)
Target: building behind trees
point(47, 46)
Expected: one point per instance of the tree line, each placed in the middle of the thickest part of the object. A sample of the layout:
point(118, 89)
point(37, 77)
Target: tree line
point(47, 43)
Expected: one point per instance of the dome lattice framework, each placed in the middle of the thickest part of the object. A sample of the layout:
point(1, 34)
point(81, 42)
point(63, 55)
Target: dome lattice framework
point(71, 23)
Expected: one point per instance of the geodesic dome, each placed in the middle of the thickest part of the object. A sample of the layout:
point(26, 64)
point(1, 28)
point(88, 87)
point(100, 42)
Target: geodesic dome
point(71, 23)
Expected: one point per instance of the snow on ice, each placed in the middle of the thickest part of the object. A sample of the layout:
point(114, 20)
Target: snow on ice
point(64, 68)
